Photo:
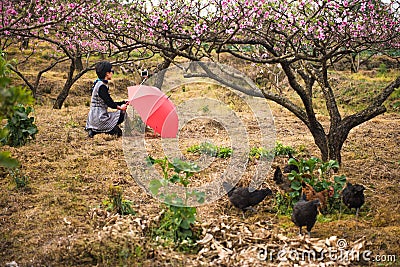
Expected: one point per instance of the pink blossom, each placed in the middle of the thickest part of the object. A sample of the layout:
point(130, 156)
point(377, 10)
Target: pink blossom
point(154, 20)
point(321, 34)
point(229, 31)
point(12, 12)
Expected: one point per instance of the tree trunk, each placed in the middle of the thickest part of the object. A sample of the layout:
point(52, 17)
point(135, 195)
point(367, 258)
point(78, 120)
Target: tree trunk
point(336, 139)
point(322, 143)
point(25, 43)
point(330, 145)
point(78, 64)
point(67, 86)
point(354, 63)
point(163, 66)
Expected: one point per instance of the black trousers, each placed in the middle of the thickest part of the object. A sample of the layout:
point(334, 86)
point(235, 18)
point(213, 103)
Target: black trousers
point(116, 130)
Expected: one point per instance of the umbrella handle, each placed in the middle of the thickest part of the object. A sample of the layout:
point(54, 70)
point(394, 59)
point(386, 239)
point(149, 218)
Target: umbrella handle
point(145, 78)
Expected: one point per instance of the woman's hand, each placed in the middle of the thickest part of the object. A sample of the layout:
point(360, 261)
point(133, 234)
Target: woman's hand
point(123, 107)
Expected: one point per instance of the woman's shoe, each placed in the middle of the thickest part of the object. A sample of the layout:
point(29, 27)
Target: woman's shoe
point(91, 133)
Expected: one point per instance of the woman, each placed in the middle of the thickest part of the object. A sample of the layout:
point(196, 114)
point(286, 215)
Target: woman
point(99, 119)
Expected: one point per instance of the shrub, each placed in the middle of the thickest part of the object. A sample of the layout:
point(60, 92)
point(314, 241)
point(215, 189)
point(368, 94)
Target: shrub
point(382, 70)
point(281, 150)
point(316, 173)
point(20, 127)
point(10, 96)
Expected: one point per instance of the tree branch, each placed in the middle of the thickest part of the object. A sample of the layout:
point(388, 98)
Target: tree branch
point(372, 110)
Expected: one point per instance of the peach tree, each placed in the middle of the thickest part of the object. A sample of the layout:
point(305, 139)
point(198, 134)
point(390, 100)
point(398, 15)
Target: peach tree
point(70, 29)
point(304, 40)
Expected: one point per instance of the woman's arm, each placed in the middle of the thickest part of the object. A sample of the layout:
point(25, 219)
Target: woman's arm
point(105, 95)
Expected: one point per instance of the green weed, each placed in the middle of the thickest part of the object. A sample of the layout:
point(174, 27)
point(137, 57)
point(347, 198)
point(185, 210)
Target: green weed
point(116, 202)
point(71, 123)
point(176, 224)
point(278, 150)
point(21, 181)
point(210, 149)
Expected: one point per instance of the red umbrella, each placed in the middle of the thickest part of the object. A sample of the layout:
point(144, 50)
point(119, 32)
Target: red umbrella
point(155, 109)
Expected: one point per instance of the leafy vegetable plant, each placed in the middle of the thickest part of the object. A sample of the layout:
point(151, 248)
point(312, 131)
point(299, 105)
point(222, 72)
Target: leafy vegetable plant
point(20, 127)
point(278, 150)
point(318, 174)
point(177, 220)
point(211, 150)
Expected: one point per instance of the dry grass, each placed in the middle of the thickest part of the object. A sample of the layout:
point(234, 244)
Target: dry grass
point(57, 221)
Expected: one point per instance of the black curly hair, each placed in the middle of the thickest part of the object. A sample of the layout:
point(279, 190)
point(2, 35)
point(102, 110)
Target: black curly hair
point(102, 68)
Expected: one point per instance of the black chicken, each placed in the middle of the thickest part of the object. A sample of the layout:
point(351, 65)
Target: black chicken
point(242, 198)
point(278, 176)
point(281, 181)
point(353, 196)
point(305, 214)
point(289, 167)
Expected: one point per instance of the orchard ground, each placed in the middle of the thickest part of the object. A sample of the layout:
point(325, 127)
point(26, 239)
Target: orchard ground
point(57, 220)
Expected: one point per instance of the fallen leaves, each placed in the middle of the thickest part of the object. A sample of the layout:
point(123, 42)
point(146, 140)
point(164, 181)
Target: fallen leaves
point(236, 243)
point(229, 241)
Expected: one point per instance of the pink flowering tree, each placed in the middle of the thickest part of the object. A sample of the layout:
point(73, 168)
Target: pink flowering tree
point(71, 28)
point(303, 39)
point(24, 23)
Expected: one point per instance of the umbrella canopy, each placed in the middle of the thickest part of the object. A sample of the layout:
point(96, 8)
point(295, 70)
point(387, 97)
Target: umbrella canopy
point(155, 109)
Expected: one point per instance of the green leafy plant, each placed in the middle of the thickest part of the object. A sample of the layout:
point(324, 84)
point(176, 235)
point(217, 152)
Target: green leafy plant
point(20, 127)
point(318, 174)
point(278, 150)
point(7, 161)
point(116, 202)
point(211, 150)
point(383, 69)
point(259, 153)
point(177, 220)
point(10, 96)
point(283, 203)
point(21, 180)
point(71, 123)
point(224, 152)
point(281, 149)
